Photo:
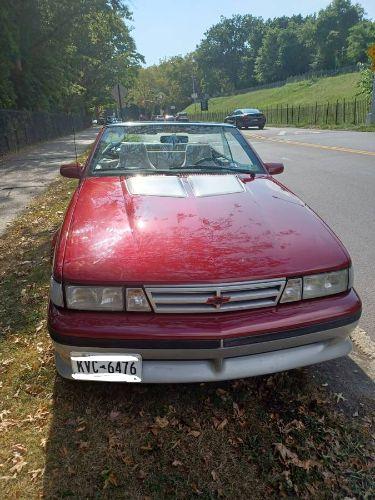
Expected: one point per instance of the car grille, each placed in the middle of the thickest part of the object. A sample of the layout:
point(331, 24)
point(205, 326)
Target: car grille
point(211, 298)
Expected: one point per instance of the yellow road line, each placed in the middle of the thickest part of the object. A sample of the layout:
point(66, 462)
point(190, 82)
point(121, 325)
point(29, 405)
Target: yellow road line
point(311, 145)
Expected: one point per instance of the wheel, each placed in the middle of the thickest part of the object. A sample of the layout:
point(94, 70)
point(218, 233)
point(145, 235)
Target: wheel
point(261, 127)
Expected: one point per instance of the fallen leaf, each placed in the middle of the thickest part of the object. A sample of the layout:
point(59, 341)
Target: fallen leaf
point(161, 422)
point(339, 397)
point(83, 445)
point(141, 474)
point(147, 447)
point(36, 473)
point(176, 463)
point(114, 415)
point(215, 477)
point(289, 457)
point(222, 424)
point(194, 433)
point(17, 467)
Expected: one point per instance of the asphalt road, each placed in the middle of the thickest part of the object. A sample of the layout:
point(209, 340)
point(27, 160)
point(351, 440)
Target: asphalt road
point(334, 173)
point(24, 175)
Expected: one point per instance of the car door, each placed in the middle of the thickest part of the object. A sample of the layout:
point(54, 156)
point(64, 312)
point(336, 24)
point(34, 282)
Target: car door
point(232, 117)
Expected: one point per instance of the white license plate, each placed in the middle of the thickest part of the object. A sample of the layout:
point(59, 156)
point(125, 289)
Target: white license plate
point(106, 367)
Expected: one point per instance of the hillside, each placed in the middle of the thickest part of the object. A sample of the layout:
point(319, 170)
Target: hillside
point(321, 90)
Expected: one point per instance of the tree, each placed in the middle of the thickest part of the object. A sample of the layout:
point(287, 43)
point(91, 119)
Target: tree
point(361, 36)
point(65, 54)
point(331, 32)
point(226, 56)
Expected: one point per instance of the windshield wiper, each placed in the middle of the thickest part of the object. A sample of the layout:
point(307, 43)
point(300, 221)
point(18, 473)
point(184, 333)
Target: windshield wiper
point(217, 169)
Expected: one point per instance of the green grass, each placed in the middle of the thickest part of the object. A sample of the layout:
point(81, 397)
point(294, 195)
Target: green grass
point(266, 437)
point(321, 90)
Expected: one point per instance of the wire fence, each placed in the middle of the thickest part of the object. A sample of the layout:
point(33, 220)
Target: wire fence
point(309, 75)
point(318, 114)
point(20, 128)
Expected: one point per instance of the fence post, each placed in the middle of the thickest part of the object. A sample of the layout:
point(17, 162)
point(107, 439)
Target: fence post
point(344, 112)
point(336, 111)
point(327, 110)
point(316, 112)
point(354, 111)
point(287, 113)
point(298, 114)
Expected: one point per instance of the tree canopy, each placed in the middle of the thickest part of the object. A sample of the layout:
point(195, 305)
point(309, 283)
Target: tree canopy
point(64, 54)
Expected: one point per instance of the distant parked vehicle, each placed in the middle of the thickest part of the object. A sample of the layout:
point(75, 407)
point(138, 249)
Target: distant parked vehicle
point(110, 119)
point(245, 118)
point(169, 118)
point(182, 116)
point(158, 118)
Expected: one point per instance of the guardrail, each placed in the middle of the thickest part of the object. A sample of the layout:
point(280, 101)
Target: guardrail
point(21, 128)
point(318, 114)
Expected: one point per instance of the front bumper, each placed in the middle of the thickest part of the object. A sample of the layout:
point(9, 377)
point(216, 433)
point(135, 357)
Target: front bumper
point(246, 359)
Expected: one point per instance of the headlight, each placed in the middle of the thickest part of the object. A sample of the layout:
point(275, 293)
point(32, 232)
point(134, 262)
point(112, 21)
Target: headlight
point(136, 300)
point(317, 285)
point(292, 291)
point(56, 293)
point(320, 285)
point(97, 298)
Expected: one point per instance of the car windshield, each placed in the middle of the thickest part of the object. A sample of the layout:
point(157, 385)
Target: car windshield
point(173, 148)
point(251, 110)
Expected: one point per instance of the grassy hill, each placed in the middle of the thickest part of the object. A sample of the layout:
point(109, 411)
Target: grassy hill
point(321, 90)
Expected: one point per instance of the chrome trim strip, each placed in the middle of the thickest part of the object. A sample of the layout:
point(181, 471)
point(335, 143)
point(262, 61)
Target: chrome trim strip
point(212, 298)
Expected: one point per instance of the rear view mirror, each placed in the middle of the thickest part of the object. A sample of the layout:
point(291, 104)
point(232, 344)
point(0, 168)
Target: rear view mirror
point(274, 168)
point(71, 170)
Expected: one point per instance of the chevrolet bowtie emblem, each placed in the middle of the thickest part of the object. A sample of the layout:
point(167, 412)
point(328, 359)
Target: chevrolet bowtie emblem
point(218, 300)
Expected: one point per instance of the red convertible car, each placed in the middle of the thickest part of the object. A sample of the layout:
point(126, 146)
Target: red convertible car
point(182, 259)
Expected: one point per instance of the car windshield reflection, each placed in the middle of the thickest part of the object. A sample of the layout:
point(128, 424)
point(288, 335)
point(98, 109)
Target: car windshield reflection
point(178, 148)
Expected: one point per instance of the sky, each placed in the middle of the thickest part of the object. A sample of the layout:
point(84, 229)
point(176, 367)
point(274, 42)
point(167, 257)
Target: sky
point(164, 28)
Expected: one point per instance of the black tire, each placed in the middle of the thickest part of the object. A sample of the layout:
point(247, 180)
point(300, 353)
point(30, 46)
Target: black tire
point(261, 127)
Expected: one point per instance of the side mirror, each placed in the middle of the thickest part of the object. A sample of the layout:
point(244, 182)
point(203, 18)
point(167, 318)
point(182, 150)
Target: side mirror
point(274, 168)
point(71, 170)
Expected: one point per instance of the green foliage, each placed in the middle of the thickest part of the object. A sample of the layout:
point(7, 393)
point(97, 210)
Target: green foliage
point(63, 54)
point(331, 32)
point(241, 51)
point(361, 36)
point(167, 84)
point(365, 82)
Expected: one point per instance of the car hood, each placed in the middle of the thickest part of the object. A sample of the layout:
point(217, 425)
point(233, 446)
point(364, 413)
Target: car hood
point(194, 229)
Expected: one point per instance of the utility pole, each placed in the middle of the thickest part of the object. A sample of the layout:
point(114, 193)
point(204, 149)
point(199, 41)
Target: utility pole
point(371, 115)
point(119, 100)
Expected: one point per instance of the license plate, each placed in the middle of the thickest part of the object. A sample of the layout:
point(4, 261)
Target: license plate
point(106, 367)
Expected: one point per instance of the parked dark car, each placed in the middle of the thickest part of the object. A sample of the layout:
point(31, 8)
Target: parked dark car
point(182, 116)
point(245, 118)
